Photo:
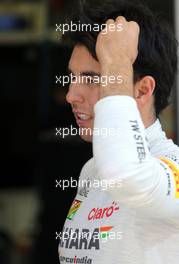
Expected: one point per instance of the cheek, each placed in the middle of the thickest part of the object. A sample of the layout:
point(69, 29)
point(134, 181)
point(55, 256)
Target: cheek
point(94, 97)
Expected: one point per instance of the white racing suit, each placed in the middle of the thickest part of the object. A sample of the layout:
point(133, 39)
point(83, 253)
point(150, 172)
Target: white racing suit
point(126, 210)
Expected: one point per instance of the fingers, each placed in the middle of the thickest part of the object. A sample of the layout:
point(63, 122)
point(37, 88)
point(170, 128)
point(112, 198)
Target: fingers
point(112, 25)
point(121, 20)
point(119, 24)
point(135, 25)
point(110, 21)
point(119, 37)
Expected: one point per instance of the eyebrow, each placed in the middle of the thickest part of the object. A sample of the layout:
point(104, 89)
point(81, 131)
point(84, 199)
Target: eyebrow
point(86, 73)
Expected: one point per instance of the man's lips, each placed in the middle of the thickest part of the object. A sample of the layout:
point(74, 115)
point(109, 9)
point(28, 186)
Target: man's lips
point(81, 118)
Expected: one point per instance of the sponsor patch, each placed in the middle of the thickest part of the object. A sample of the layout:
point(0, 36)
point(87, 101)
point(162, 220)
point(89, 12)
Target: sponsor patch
point(75, 260)
point(86, 239)
point(175, 171)
point(100, 213)
point(74, 208)
point(104, 231)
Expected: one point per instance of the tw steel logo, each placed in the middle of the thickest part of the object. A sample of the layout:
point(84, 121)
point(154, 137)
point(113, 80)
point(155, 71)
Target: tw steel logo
point(100, 213)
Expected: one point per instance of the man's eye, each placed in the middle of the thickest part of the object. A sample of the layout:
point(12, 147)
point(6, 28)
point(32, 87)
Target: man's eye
point(94, 80)
point(89, 79)
point(71, 76)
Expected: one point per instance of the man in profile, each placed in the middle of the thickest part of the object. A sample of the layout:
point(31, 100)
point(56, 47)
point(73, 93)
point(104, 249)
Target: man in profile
point(135, 220)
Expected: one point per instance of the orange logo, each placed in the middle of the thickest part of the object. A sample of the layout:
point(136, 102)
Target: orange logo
point(175, 171)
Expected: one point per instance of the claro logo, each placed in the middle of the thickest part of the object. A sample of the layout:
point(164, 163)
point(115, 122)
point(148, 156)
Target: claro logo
point(100, 213)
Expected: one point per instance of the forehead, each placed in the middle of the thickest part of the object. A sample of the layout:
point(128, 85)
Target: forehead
point(82, 60)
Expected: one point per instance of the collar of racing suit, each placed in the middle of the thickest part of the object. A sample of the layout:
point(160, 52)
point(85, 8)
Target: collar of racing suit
point(156, 137)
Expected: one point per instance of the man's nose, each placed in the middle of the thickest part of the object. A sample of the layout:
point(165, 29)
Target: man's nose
point(74, 94)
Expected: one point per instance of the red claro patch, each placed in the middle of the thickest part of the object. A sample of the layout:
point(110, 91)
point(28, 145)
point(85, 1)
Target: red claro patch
point(100, 213)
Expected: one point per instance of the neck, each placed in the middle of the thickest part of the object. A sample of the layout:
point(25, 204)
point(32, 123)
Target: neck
point(148, 122)
point(148, 117)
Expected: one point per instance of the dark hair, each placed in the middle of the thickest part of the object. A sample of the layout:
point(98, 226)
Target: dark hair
point(157, 55)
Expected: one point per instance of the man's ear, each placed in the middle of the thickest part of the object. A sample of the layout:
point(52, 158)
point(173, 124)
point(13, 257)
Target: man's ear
point(143, 89)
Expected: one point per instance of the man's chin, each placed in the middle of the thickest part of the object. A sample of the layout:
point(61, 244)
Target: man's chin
point(86, 135)
point(86, 138)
